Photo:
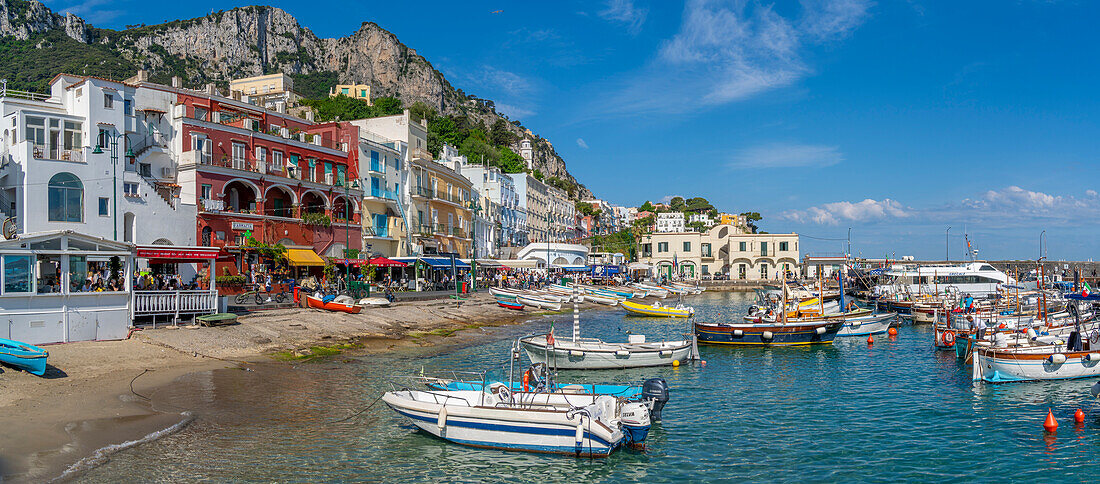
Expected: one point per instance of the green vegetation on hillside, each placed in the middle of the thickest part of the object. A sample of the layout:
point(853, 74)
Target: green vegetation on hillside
point(314, 85)
point(623, 242)
point(29, 65)
point(346, 109)
point(478, 143)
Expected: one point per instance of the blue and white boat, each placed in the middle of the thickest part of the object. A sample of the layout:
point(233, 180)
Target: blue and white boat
point(23, 356)
point(584, 425)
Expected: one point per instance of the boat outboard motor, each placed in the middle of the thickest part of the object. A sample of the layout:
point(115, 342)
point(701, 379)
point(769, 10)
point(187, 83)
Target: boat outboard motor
point(655, 392)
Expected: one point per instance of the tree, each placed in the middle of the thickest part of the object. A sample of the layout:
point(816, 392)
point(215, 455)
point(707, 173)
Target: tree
point(510, 162)
point(537, 174)
point(698, 204)
point(500, 135)
point(647, 207)
point(677, 204)
point(697, 226)
point(387, 106)
point(476, 149)
point(419, 111)
point(751, 218)
point(584, 208)
point(342, 107)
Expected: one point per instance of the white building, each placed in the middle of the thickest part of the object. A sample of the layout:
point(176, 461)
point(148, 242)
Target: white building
point(701, 217)
point(534, 201)
point(499, 188)
point(384, 173)
point(65, 163)
point(561, 214)
point(722, 249)
point(670, 222)
point(559, 254)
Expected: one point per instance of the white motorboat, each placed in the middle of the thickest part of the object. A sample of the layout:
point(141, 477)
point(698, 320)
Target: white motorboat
point(590, 353)
point(1038, 357)
point(867, 325)
point(584, 425)
point(976, 278)
point(539, 302)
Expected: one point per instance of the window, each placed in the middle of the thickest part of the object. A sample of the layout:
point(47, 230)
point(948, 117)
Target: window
point(49, 274)
point(261, 154)
point(239, 150)
point(706, 269)
point(17, 273)
point(201, 113)
point(741, 271)
point(362, 93)
point(705, 249)
point(277, 158)
point(108, 100)
point(783, 246)
point(763, 248)
point(104, 206)
point(128, 107)
point(35, 129)
point(73, 130)
point(103, 138)
point(763, 271)
point(344, 91)
point(130, 189)
point(202, 145)
point(78, 272)
point(66, 198)
point(742, 246)
point(662, 246)
point(687, 246)
point(205, 191)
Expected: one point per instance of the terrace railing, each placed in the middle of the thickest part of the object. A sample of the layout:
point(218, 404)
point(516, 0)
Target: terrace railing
point(175, 303)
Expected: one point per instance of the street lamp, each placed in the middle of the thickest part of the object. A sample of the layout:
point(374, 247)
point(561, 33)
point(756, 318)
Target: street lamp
point(947, 245)
point(347, 230)
point(112, 141)
point(1042, 236)
point(475, 206)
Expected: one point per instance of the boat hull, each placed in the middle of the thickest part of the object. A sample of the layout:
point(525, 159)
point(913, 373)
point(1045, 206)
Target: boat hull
point(565, 355)
point(660, 312)
point(332, 306)
point(538, 303)
point(867, 325)
point(24, 356)
point(510, 305)
point(995, 367)
point(509, 429)
point(769, 335)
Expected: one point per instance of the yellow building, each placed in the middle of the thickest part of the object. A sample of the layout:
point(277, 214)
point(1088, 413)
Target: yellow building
point(440, 215)
point(273, 91)
point(355, 91)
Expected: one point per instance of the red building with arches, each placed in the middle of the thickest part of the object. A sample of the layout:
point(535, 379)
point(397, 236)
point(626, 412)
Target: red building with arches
point(269, 175)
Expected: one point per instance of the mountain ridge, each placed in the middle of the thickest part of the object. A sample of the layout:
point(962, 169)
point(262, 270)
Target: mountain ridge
point(241, 42)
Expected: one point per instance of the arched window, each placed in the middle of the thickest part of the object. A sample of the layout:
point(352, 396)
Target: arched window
point(66, 198)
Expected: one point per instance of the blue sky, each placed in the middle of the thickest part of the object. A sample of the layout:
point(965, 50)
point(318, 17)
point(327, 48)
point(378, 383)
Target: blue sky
point(897, 119)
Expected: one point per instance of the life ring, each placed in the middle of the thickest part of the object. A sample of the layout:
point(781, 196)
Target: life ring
point(526, 378)
point(949, 338)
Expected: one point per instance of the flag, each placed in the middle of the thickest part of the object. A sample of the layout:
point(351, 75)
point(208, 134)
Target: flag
point(674, 261)
point(550, 336)
point(1087, 290)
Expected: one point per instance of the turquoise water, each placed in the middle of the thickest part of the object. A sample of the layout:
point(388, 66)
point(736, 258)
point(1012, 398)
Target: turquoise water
point(897, 410)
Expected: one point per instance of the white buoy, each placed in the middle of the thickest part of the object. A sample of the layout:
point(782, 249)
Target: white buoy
point(738, 332)
point(820, 330)
point(1092, 357)
point(441, 421)
point(1057, 358)
point(767, 335)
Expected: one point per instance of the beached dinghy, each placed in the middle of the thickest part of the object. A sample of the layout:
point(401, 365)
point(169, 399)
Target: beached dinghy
point(651, 290)
point(594, 354)
point(502, 293)
point(539, 302)
point(583, 425)
point(510, 304)
point(656, 309)
point(23, 356)
point(333, 305)
point(606, 300)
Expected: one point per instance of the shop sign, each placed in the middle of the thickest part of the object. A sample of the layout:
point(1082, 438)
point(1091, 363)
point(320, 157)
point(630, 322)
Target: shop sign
point(241, 226)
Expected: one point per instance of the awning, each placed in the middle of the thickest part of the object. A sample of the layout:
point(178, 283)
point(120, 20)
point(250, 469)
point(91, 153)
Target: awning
point(384, 262)
point(574, 268)
point(640, 266)
point(444, 263)
point(177, 252)
point(489, 264)
point(304, 258)
point(520, 263)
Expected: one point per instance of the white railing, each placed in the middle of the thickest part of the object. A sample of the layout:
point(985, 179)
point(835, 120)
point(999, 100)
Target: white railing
point(164, 303)
point(211, 205)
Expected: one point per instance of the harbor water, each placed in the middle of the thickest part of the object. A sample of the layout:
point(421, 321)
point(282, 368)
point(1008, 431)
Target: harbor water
point(894, 410)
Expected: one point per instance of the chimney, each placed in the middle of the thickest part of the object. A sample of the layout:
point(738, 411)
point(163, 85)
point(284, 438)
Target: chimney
point(309, 115)
point(177, 82)
point(211, 89)
point(280, 107)
point(141, 76)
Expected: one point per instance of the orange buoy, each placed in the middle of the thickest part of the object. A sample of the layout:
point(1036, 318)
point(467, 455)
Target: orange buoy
point(892, 331)
point(1050, 424)
point(703, 362)
point(870, 339)
point(1079, 416)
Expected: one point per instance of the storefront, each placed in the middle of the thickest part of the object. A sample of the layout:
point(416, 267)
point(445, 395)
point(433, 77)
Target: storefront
point(62, 286)
point(162, 292)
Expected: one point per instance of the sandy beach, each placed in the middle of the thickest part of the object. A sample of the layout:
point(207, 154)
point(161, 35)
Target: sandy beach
point(97, 393)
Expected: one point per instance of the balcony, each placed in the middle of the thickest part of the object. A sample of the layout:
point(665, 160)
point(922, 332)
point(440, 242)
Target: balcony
point(423, 192)
point(263, 167)
point(211, 205)
point(421, 154)
point(380, 193)
point(377, 167)
point(246, 122)
point(378, 231)
point(41, 153)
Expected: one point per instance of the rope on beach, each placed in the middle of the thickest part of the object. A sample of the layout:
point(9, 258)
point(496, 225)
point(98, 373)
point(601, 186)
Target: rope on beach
point(356, 414)
point(135, 379)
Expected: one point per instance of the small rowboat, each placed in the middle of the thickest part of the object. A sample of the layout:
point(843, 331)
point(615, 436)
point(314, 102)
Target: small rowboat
point(538, 302)
point(504, 303)
point(607, 300)
point(332, 305)
point(656, 309)
point(501, 293)
point(23, 356)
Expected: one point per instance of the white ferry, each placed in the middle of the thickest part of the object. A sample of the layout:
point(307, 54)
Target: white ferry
point(978, 279)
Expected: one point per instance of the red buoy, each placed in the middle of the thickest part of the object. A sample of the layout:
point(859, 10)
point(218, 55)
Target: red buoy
point(1079, 416)
point(870, 339)
point(1050, 424)
point(892, 331)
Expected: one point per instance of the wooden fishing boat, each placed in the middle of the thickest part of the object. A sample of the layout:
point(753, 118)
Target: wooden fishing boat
point(657, 310)
point(867, 325)
point(332, 305)
point(24, 356)
point(539, 302)
point(773, 334)
point(502, 293)
point(504, 303)
point(593, 354)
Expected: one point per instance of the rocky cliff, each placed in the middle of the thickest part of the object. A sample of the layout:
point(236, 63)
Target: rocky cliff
point(242, 42)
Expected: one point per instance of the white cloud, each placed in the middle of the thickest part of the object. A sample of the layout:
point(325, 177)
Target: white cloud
point(509, 82)
point(581, 143)
point(668, 198)
point(728, 51)
point(834, 213)
point(1014, 198)
point(514, 112)
point(781, 155)
point(1090, 193)
point(625, 12)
